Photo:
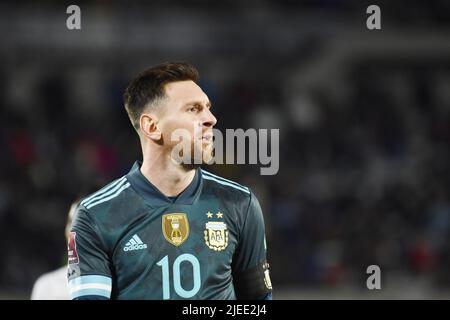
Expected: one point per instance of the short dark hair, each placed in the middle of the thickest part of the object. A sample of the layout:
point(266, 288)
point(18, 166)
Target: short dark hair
point(148, 86)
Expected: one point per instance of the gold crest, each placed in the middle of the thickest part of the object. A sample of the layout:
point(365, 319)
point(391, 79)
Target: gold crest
point(175, 228)
point(216, 235)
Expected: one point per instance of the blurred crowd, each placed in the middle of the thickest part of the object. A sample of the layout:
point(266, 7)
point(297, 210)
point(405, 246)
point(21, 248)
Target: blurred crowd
point(364, 159)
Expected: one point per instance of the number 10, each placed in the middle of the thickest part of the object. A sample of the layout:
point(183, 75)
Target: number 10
point(164, 264)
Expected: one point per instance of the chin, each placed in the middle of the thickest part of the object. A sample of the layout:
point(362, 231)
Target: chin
point(202, 155)
point(208, 154)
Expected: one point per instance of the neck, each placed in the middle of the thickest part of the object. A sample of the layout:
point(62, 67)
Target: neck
point(171, 179)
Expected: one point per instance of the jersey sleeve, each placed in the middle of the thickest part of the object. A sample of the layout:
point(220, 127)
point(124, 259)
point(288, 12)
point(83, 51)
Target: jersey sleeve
point(89, 273)
point(250, 269)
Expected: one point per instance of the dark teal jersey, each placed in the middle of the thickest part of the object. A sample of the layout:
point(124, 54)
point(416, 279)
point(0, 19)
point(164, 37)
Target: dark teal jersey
point(129, 241)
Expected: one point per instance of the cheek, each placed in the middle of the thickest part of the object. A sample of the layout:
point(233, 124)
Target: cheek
point(173, 128)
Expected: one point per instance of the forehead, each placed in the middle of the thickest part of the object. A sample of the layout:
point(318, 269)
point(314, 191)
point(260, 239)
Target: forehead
point(185, 91)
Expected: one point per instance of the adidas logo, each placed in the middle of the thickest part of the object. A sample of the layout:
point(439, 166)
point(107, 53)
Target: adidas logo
point(134, 244)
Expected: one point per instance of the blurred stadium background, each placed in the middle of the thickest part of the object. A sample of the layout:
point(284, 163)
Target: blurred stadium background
point(364, 119)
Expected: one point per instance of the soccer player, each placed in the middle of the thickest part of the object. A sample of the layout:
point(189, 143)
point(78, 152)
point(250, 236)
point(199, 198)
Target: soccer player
point(169, 230)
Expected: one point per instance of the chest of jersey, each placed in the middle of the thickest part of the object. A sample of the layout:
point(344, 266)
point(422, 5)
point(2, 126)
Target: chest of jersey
point(177, 251)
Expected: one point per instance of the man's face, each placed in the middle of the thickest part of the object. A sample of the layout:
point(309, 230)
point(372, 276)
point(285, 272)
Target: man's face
point(187, 109)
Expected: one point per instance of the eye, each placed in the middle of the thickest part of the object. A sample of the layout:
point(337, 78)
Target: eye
point(193, 109)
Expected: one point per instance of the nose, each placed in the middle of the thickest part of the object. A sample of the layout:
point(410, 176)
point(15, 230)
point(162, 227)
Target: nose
point(210, 120)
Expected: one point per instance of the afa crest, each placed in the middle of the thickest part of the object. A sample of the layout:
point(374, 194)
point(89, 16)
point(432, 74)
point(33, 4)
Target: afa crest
point(216, 235)
point(175, 227)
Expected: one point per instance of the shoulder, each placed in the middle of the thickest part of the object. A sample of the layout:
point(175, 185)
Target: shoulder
point(106, 195)
point(105, 213)
point(225, 185)
point(229, 191)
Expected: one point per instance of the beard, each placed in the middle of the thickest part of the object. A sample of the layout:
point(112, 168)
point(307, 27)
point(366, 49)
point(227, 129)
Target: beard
point(193, 155)
point(207, 153)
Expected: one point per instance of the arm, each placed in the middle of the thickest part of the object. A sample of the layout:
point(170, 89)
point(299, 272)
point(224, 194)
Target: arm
point(89, 273)
point(250, 269)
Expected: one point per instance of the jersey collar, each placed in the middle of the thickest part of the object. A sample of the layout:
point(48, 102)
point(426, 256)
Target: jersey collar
point(153, 196)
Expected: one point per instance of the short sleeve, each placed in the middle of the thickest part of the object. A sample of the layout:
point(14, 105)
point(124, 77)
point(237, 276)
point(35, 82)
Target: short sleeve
point(250, 268)
point(89, 272)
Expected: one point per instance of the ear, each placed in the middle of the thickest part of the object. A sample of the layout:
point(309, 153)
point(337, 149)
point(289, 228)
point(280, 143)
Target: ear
point(149, 126)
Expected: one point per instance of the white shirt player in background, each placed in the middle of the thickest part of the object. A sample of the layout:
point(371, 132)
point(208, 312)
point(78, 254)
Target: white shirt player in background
point(53, 285)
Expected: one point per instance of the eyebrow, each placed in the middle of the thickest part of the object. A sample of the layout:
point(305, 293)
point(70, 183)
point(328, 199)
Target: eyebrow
point(208, 104)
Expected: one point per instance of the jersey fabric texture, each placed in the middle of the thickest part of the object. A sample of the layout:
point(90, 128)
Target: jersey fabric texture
point(129, 241)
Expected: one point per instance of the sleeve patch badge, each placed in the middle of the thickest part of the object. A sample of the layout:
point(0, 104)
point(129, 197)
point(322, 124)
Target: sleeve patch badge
point(72, 249)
